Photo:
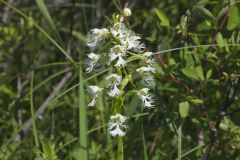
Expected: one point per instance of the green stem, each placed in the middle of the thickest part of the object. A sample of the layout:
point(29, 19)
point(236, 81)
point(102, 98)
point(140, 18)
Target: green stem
point(180, 142)
point(82, 118)
point(120, 148)
point(34, 128)
point(32, 111)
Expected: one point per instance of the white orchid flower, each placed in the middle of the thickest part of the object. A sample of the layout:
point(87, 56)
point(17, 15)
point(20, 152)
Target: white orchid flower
point(117, 53)
point(132, 42)
point(114, 81)
point(97, 36)
point(95, 91)
point(147, 99)
point(119, 30)
point(93, 61)
point(116, 126)
point(148, 80)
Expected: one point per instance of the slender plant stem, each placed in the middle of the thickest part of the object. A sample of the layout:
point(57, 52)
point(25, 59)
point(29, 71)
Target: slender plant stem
point(180, 142)
point(33, 114)
point(191, 47)
point(32, 111)
point(82, 118)
point(144, 143)
point(120, 148)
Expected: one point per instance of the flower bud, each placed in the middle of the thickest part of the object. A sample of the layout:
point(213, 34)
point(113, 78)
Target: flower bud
point(127, 12)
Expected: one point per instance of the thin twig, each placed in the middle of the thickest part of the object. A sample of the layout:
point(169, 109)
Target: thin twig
point(222, 114)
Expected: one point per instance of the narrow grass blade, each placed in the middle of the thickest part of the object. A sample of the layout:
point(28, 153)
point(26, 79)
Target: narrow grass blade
point(84, 16)
point(197, 46)
point(144, 144)
point(32, 112)
point(192, 150)
point(82, 118)
point(180, 142)
point(43, 9)
point(118, 6)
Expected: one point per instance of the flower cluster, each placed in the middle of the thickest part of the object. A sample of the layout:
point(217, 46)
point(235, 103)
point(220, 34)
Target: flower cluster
point(125, 54)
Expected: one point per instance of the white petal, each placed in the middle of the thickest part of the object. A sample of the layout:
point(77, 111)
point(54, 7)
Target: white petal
point(118, 117)
point(121, 62)
point(115, 91)
point(96, 36)
point(93, 56)
point(95, 89)
point(93, 102)
point(90, 67)
point(149, 80)
point(119, 30)
point(148, 101)
point(117, 131)
point(114, 78)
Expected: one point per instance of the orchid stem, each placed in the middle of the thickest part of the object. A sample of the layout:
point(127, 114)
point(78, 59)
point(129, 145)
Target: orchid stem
point(120, 148)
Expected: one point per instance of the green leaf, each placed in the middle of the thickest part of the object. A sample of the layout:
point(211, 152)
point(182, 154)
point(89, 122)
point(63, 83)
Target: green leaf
point(49, 151)
point(184, 109)
point(163, 18)
point(80, 36)
point(233, 20)
point(83, 139)
point(209, 74)
point(194, 100)
point(190, 73)
point(199, 72)
point(44, 10)
point(220, 40)
point(222, 12)
point(205, 12)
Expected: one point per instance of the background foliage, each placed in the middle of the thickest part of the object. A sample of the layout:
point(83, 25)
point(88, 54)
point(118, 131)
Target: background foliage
point(42, 49)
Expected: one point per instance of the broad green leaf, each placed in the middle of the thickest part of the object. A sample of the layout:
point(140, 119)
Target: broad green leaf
point(205, 12)
point(220, 40)
point(190, 73)
point(194, 100)
point(222, 12)
point(163, 18)
point(171, 61)
point(76, 153)
point(217, 9)
point(233, 20)
point(209, 74)
point(184, 109)
point(199, 72)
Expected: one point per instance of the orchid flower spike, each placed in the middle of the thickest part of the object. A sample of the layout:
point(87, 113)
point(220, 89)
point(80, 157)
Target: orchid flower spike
point(116, 126)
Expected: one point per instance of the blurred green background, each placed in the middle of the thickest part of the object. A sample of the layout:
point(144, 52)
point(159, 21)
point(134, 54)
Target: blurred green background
point(36, 36)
